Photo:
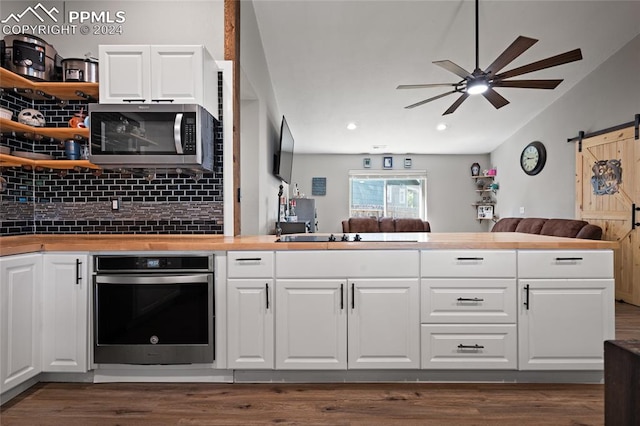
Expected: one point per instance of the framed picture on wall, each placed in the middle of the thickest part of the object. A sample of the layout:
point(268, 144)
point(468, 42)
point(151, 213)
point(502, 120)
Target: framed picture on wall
point(387, 162)
point(485, 212)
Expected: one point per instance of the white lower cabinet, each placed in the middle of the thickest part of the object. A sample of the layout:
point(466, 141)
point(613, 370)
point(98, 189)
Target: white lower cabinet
point(65, 312)
point(20, 310)
point(250, 340)
point(563, 323)
point(329, 319)
point(565, 308)
point(468, 310)
point(311, 324)
point(250, 310)
point(384, 323)
point(469, 346)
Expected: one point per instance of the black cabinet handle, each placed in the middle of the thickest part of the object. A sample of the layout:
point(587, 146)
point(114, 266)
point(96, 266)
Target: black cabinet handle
point(266, 286)
point(470, 299)
point(567, 259)
point(134, 100)
point(476, 346)
point(341, 296)
point(526, 296)
point(161, 100)
point(634, 209)
point(353, 296)
point(470, 258)
point(78, 277)
point(248, 259)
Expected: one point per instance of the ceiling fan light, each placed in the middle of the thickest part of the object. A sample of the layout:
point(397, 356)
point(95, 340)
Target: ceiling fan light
point(477, 87)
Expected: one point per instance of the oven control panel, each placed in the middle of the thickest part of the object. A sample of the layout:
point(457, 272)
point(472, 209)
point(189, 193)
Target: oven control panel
point(142, 264)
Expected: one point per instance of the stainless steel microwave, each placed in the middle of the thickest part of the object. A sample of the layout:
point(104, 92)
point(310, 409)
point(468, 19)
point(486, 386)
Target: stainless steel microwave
point(152, 136)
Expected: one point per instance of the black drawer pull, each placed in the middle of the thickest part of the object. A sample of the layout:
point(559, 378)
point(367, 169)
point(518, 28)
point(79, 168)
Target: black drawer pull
point(134, 100)
point(567, 259)
point(526, 296)
point(470, 299)
point(266, 287)
point(470, 258)
point(341, 296)
point(161, 100)
point(476, 346)
point(248, 259)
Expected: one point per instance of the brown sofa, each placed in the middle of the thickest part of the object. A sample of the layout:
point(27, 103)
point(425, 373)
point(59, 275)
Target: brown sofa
point(570, 228)
point(384, 224)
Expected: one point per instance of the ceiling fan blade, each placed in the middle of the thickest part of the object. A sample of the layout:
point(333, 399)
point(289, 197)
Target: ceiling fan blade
point(457, 103)
point(517, 48)
point(430, 99)
point(563, 58)
point(421, 86)
point(495, 98)
point(456, 69)
point(528, 84)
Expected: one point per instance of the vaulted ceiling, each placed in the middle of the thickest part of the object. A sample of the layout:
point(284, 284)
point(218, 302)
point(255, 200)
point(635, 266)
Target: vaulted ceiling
point(336, 62)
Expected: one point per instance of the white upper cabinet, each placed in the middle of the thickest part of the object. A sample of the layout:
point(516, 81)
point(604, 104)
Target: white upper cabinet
point(181, 74)
point(125, 74)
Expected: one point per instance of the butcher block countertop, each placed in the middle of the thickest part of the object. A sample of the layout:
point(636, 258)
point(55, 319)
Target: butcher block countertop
point(136, 242)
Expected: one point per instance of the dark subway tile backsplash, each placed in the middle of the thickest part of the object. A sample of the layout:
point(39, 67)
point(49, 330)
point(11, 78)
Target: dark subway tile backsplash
point(79, 202)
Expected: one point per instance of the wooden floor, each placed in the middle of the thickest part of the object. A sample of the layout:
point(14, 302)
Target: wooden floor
point(83, 404)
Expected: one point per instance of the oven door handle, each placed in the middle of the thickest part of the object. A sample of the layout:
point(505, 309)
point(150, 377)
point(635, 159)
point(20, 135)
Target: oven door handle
point(152, 279)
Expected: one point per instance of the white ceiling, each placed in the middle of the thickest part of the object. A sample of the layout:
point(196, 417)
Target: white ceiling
point(334, 62)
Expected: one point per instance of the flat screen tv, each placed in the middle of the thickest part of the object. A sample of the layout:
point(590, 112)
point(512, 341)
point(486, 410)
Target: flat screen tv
point(283, 158)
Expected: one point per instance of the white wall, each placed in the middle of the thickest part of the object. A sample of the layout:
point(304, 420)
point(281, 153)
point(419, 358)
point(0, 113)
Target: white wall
point(450, 189)
point(605, 98)
point(146, 22)
point(258, 139)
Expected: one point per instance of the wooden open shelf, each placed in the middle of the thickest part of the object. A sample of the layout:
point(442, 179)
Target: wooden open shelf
point(42, 90)
point(58, 133)
point(11, 161)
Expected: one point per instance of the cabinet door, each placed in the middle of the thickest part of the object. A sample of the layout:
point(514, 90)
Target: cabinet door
point(20, 298)
point(563, 323)
point(311, 324)
point(124, 74)
point(250, 324)
point(384, 323)
point(65, 307)
point(177, 74)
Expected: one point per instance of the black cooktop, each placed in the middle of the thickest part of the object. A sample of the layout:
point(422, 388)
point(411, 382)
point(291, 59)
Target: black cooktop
point(314, 238)
point(310, 238)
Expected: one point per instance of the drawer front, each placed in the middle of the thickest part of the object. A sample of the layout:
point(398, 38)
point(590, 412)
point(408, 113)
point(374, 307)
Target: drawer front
point(347, 264)
point(250, 264)
point(469, 346)
point(565, 264)
point(485, 300)
point(468, 263)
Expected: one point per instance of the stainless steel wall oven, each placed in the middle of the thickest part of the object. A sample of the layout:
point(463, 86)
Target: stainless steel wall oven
point(153, 309)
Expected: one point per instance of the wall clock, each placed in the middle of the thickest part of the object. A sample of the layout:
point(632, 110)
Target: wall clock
point(533, 158)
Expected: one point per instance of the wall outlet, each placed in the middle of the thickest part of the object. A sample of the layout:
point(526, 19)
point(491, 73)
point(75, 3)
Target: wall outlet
point(521, 210)
point(115, 204)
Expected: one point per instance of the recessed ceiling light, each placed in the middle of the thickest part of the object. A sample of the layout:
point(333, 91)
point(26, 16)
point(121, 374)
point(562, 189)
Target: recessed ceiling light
point(352, 126)
point(441, 126)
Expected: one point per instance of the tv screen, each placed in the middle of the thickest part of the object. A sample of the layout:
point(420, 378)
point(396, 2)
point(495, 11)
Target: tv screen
point(283, 159)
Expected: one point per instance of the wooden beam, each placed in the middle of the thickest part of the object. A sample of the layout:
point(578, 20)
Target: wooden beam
point(232, 53)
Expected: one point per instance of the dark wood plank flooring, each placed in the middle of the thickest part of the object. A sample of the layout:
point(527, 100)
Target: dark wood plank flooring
point(71, 404)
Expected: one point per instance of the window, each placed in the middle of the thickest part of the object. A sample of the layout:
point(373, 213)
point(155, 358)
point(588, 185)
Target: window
point(388, 194)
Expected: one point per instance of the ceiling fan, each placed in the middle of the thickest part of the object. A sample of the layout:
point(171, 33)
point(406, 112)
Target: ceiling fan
point(484, 82)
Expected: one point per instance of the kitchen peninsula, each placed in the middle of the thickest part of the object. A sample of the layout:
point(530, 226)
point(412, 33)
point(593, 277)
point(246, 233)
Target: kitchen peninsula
point(424, 306)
